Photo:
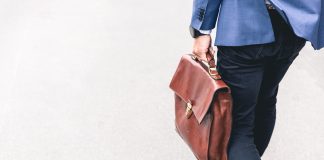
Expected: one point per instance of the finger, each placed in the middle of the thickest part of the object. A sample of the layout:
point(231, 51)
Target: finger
point(201, 56)
point(201, 50)
point(211, 50)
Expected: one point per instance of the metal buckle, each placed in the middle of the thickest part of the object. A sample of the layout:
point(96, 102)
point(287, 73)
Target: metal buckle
point(189, 109)
point(214, 75)
point(194, 57)
point(212, 69)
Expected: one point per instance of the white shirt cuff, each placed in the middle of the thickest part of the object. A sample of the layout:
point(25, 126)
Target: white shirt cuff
point(205, 31)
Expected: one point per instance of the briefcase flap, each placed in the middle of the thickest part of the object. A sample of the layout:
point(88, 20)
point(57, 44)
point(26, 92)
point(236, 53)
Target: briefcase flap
point(191, 82)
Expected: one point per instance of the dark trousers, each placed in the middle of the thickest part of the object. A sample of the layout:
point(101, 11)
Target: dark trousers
point(253, 73)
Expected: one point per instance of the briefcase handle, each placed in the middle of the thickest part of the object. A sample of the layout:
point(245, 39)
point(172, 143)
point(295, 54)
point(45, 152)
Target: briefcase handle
point(210, 61)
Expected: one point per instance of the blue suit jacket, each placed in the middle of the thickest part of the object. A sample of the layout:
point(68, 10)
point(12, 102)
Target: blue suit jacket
point(306, 18)
point(244, 22)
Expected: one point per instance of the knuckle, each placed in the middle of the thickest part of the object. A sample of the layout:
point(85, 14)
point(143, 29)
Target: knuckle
point(203, 50)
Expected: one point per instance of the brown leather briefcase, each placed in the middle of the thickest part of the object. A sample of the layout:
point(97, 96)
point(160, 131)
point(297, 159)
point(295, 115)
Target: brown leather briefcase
point(203, 107)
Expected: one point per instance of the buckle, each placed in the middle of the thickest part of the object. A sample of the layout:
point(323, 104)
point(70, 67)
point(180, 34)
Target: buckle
point(188, 109)
point(214, 74)
point(212, 71)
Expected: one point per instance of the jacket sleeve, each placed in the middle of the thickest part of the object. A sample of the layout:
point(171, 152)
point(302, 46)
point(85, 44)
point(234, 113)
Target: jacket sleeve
point(204, 14)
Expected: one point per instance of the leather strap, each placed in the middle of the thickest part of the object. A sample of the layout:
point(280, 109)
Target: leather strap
point(210, 57)
point(211, 62)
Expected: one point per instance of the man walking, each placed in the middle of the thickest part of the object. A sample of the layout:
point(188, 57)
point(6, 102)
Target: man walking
point(255, 47)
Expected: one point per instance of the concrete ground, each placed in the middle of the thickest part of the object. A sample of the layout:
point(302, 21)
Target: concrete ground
point(88, 80)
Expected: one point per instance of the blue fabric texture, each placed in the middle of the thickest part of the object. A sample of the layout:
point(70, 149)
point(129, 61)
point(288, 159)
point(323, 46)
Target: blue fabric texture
point(247, 22)
point(305, 17)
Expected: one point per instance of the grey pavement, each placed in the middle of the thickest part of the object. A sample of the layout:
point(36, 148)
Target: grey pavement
point(88, 80)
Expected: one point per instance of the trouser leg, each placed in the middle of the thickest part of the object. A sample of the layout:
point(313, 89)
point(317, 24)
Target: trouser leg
point(244, 77)
point(253, 73)
point(265, 114)
point(278, 57)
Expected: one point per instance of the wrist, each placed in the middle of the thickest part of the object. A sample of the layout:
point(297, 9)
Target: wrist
point(197, 33)
point(203, 39)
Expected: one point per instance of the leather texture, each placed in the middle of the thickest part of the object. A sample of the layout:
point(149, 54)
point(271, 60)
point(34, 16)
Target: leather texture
point(207, 130)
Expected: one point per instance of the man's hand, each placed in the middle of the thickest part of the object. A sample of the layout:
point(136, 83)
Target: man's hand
point(201, 46)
